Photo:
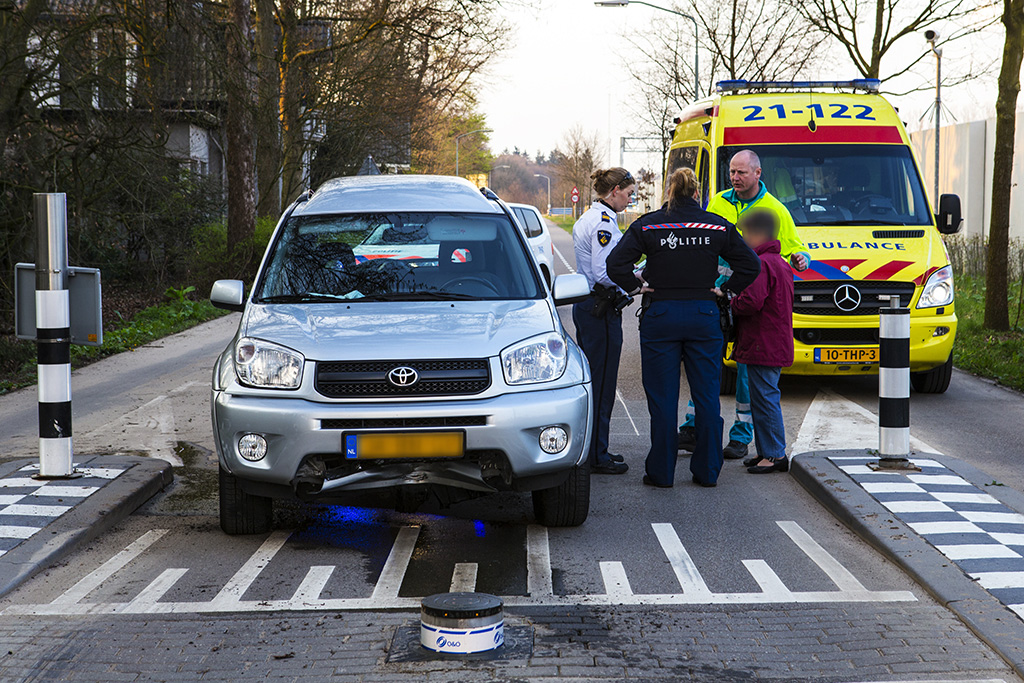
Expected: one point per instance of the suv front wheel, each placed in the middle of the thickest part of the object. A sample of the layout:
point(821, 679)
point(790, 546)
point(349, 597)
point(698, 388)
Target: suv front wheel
point(240, 512)
point(566, 504)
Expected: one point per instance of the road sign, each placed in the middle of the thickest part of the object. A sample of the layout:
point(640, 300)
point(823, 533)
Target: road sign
point(575, 194)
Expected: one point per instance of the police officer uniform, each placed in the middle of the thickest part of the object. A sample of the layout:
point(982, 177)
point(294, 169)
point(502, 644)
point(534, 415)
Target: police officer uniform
point(594, 236)
point(681, 324)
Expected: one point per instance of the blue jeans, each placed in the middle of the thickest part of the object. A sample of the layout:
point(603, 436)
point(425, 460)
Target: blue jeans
point(688, 332)
point(601, 341)
point(766, 405)
point(742, 429)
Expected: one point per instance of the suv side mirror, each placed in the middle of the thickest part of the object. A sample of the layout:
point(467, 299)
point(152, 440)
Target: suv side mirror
point(949, 219)
point(228, 294)
point(570, 289)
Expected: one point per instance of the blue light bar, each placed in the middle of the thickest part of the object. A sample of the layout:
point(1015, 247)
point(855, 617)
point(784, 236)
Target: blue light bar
point(866, 84)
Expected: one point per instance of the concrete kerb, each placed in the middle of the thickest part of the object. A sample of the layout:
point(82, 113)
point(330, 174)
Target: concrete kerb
point(981, 612)
point(143, 479)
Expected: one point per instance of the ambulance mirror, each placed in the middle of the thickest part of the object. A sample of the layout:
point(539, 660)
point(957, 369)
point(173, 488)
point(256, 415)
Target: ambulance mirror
point(949, 219)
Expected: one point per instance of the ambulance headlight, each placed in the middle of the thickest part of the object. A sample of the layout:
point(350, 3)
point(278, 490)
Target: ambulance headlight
point(264, 365)
point(938, 290)
point(538, 359)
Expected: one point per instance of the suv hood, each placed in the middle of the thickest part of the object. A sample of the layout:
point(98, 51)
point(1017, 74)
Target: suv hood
point(873, 253)
point(398, 330)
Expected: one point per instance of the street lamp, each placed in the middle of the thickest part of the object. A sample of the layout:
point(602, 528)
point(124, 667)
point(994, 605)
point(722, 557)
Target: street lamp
point(696, 57)
point(492, 171)
point(931, 37)
point(459, 137)
point(541, 175)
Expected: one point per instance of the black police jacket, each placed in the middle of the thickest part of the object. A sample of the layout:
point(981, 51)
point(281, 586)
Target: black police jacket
point(682, 245)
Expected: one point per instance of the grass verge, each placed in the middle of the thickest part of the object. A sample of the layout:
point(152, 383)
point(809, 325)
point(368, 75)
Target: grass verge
point(177, 314)
point(995, 355)
point(564, 222)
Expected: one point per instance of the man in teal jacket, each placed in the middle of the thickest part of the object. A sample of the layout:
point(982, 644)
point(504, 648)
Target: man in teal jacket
point(748, 192)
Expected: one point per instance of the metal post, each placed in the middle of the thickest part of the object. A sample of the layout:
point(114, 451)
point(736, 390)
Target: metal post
point(938, 114)
point(894, 387)
point(53, 336)
point(547, 178)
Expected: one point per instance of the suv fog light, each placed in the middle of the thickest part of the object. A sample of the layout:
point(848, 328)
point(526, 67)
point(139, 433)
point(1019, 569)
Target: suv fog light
point(553, 440)
point(940, 331)
point(252, 447)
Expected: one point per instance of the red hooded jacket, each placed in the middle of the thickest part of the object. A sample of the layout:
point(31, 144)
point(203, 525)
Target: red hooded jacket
point(764, 313)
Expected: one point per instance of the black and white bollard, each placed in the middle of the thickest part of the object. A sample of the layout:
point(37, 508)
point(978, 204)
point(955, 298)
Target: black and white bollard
point(462, 623)
point(894, 387)
point(53, 337)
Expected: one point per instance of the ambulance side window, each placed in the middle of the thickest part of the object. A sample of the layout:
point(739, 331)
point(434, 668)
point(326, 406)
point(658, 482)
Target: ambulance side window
point(704, 176)
point(681, 157)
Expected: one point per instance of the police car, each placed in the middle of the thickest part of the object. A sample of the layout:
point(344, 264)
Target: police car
point(399, 340)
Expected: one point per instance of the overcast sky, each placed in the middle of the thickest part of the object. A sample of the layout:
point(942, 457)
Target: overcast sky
point(566, 66)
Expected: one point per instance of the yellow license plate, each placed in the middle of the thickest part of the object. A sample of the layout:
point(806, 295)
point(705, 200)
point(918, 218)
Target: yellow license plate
point(847, 356)
point(405, 445)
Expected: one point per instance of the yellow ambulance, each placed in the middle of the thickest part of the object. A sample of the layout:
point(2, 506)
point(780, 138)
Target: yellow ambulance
point(837, 155)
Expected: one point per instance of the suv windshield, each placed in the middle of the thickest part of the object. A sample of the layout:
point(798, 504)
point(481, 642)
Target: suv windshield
point(397, 256)
point(840, 184)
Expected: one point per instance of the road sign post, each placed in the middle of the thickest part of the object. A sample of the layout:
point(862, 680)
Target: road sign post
point(575, 199)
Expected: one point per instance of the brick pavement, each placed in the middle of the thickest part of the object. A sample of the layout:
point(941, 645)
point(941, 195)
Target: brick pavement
point(803, 643)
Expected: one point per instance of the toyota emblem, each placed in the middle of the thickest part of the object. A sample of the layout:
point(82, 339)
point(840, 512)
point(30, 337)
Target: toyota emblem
point(847, 298)
point(404, 376)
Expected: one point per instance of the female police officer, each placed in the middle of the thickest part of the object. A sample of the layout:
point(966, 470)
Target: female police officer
point(682, 243)
point(598, 321)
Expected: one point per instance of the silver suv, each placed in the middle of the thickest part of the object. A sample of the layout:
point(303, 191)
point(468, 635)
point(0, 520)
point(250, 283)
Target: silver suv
point(400, 340)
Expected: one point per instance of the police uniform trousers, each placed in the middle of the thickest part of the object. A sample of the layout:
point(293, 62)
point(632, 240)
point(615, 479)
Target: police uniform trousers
point(688, 332)
point(601, 341)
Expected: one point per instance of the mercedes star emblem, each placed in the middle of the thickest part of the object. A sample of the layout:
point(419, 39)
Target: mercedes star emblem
point(404, 376)
point(847, 298)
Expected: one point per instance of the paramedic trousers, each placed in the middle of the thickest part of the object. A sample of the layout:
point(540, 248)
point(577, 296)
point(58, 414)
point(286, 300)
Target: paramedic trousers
point(742, 430)
point(601, 341)
point(689, 332)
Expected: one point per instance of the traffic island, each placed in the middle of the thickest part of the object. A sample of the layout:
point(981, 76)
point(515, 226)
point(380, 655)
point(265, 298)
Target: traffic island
point(897, 512)
point(43, 520)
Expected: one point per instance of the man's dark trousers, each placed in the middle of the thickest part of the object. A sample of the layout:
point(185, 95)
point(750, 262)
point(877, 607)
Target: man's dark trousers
point(601, 341)
point(686, 331)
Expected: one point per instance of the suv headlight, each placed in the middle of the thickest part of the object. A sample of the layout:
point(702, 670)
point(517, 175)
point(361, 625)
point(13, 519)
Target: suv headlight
point(938, 290)
point(268, 366)
point(538, 359)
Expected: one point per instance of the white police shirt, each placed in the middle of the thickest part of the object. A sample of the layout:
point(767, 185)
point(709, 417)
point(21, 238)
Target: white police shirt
point(594, 236)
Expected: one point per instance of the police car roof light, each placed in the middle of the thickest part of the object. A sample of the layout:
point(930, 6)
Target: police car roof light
point(871, 85)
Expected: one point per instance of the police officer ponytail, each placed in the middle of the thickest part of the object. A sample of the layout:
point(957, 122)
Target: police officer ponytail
point(607, 179)
point(682, 184)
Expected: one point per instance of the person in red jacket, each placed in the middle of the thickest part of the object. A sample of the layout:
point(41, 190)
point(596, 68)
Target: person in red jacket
point(764, 339)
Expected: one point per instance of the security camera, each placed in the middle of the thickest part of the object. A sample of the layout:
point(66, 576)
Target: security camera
point(931, 36)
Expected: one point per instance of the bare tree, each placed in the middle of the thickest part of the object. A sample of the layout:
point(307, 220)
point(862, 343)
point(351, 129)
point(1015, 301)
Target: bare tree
point(576, 158)
point(238, 127)
point(996, 268)
point(867, 30)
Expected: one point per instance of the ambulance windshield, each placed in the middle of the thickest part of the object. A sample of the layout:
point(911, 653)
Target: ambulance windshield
point(840, 185)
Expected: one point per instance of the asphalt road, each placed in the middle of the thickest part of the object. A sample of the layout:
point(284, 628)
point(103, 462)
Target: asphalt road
point(755, 556)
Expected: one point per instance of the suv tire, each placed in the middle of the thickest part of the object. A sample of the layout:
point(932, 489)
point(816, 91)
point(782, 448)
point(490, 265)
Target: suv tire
point(934, 381)
point(240, 512)
point(566, 504)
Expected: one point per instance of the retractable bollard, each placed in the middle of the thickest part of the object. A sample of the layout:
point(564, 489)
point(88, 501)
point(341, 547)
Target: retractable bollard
point(53, 337)
point(462, 623)
point(894, 387)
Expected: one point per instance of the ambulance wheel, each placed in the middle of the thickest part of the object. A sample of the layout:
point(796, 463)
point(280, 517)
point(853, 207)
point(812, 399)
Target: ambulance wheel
point(567, 504)
point(934, 381)
point(240, 512)
point(728, 385)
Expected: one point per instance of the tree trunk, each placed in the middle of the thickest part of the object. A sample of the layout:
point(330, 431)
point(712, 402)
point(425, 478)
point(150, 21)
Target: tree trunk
point(238, 127)
point(996, 267)
point(268, 122)
point(291, 104)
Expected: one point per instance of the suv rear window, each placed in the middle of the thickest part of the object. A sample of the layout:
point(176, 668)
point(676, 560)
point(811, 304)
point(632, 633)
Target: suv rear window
point(528, 219)
point(397, 257)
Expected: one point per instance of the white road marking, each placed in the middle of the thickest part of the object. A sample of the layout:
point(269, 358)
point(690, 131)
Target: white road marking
point(976, 551)
point(463, 578)
point(1000, 579)
point(538, 562)
point(618, 394)
point(899, 506)
point(391, 576)
point(36, 510)
point(150, 428)
point(236, 586)
point(385, 594)
point(926, 528)
point(563, 260)
point(93, 579)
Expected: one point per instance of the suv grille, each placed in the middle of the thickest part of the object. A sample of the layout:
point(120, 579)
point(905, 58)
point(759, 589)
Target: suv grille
point(369, 379)
point(819, 297)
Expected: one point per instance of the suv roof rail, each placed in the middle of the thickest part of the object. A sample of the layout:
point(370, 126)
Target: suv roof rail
point(871, 85)
point(488, 192)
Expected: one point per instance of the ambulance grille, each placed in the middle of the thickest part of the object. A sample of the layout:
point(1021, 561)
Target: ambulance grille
point(897, 234)
point(818, 297)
